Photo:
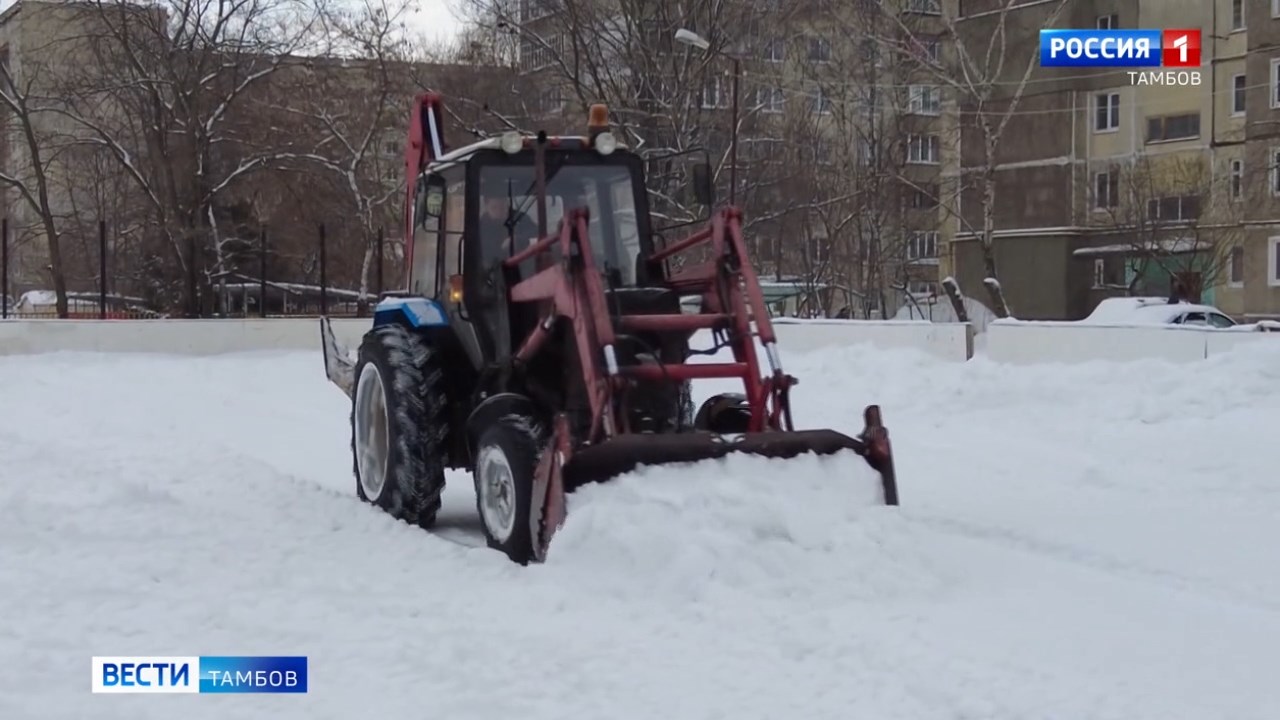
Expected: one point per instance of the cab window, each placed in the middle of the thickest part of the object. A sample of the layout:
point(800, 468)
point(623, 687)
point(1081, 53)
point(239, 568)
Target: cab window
point(427, 208)
point(454, 220)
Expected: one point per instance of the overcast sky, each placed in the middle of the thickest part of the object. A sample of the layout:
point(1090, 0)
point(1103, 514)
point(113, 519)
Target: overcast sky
point(436, 19)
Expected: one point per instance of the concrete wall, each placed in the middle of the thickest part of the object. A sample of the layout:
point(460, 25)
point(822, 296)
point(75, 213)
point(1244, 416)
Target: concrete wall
point(1049, 342)
point(1005, 341)
point(952, 342)
point(181, 337)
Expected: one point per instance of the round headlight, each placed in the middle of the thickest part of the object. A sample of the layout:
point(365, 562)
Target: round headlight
point(512, 143)
point(606, 143)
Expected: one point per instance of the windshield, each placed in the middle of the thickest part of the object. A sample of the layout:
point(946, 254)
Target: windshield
point(606, 191)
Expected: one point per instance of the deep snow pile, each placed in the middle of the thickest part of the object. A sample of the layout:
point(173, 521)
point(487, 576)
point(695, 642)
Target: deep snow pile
point(1092, 541)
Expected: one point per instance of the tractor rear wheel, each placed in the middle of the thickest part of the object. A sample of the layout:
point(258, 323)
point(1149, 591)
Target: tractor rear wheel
point(398, 425)
point(506, 462)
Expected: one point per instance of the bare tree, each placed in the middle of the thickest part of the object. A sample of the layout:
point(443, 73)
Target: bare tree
point(986, 64)
point(26, 109)
point(355, 116)
point(866, 191)
point(166, 94)
point(1172, 216)
point(664, 98)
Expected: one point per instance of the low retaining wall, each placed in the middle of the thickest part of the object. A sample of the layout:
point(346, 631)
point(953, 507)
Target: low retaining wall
point(181, 337)
point(1006, 341)
point(1023, 342)
point(947, 341)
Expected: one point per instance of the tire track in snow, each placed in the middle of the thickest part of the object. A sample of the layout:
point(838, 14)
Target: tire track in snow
point(1103, 563)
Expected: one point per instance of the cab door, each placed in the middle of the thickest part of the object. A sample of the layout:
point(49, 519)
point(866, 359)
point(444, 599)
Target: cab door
point(424, 269)
point(452, 246)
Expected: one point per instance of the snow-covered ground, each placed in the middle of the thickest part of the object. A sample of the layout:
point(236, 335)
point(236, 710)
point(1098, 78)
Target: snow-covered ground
point(1087, 542)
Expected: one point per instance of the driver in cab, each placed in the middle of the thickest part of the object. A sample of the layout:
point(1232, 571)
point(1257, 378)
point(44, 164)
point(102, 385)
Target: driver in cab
point(495, 235)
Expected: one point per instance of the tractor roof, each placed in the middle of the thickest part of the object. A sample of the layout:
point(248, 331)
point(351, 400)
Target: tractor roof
point(598, 139)
point(505, 141)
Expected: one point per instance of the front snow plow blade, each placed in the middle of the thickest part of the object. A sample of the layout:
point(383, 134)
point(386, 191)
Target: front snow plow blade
point(338, 365)
point(625, 453)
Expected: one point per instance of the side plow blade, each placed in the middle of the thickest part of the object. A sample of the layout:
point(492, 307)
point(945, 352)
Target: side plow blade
point(338, 365)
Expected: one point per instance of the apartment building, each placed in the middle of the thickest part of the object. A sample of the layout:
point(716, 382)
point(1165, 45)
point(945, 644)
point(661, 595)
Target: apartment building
point(1107, 186)
point(1255, 271)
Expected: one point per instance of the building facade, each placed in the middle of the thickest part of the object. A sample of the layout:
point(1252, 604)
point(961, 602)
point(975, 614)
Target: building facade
point(1108, 184)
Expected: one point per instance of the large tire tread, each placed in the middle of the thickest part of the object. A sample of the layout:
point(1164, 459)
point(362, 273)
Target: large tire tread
point(417, 414)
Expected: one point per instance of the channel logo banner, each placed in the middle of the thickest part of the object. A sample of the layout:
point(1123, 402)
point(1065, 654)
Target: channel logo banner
point(1120, 48)
point(1100, 48)
point(202, 674)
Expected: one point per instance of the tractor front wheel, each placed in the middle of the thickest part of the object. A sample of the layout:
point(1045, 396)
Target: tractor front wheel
point(506, 462)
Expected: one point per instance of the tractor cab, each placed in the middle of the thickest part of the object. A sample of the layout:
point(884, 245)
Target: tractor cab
point(478, 206)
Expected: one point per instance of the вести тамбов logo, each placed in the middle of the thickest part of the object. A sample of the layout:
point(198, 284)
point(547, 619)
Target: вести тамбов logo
point(1176, 53)
point(199, 674)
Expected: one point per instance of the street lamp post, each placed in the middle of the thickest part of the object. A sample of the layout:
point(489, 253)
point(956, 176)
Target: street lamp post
point(693, 39)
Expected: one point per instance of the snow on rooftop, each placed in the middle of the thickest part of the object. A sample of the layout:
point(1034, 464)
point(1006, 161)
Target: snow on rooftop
point(1171, 246)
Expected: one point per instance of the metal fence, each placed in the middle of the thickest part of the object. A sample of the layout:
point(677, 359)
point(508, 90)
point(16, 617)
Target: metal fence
point(242, 292)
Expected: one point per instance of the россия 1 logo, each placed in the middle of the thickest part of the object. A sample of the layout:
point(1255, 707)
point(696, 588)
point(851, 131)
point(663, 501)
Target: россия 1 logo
point(203, 674)
point(1176, 51)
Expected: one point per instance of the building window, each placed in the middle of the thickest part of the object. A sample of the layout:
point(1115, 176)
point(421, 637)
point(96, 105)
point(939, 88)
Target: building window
point(1173, 127)
point(1275, 8)
point(924, 100)
point(1237, 14)
point(1238, 94)
point(922, 149)
point(1175, 208)
point(819, 49)
point(822, 152)
point(770, 100)
point(531, 10)
point(866, 151)
point(1274, 171)
point(1106, 190)
point(924, 197)
point(551, 100)
point(928, 7)
point(819, 250)
point(821, 103)
point(1108, 22)
point(1106, 112)
point(715, 94)
point(922, 246)
point(931, 49)
point(1099, 273)
point(1273, 261)
point(1275, 82)
point(775, 50)
point(1237, 179)
point(536, 54)
point(1235, 268)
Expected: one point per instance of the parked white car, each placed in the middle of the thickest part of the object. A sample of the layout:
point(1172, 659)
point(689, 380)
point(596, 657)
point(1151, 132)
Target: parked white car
point(1159, 311)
